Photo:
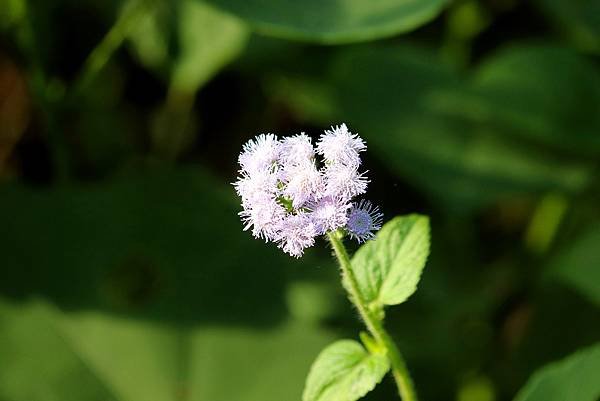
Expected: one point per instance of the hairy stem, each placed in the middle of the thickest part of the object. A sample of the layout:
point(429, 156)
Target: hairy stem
point(373, 323)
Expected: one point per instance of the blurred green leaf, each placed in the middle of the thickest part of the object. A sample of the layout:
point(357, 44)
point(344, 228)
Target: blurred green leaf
point(151, 36)
point(11, 12)
point(344, 371)
point(103, 131)
point(142, 270)
point(579, 264)
point(95, 356)
point(460, 160)
point(334, 22)
point(35, 364)
point(574, 378)
point(545, 222)
point(415, 118)
point(476, 389)
point(314, 301)
point(142, 245)
point(208, 39)
point(389, 268)
point(579, 19)
point(312, 99)
point(546, 94)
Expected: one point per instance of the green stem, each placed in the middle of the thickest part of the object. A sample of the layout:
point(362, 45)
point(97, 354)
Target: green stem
point(132, 12)
point(374, 324)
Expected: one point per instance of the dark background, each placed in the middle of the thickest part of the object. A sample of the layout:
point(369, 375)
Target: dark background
point(124, 270)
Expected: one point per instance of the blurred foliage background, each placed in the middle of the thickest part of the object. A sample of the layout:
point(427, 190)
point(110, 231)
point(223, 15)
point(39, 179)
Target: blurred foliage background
point(125, 273)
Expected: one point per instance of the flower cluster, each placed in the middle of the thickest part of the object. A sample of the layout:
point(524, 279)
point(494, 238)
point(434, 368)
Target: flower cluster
point(288, 197)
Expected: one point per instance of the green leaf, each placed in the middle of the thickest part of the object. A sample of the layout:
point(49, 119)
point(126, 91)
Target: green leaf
point(134, 247)
point(578, 265)
point(149, 37)
point(33, 351)
point(11, 13)
point(208, 40)
point(455, 158)
point(574, 379)
point(334, 22)
point(344, 371)
point(91, 356)
point(466, 142)
point(147, 305)
point(579, 19)
point(543, 93)
point(389, 268)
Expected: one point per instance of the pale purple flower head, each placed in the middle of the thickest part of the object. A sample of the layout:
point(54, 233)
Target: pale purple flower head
point(344, 181)
point(363, 220)
point(296, 150)
point(329, 213)
point(302, 183)
point(288, 199)
point(341, 146)
point(296, 232)
point(259, 153)
point(264, 218)
point(257, 187)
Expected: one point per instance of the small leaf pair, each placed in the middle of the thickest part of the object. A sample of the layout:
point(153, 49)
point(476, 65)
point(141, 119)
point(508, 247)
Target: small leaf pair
point(386, 272)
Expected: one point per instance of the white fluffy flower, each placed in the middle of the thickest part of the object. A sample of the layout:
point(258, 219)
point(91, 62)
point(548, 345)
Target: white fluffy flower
point(296, 150)
point(264, 218)
point(260, 153)
point(256, 187)
point(296, 233)
point(329, 214)
point(303, 183)
point(288, 200)
point(344, 181)
point(341, 146)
